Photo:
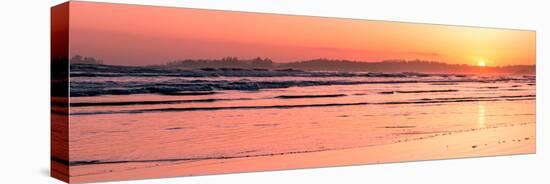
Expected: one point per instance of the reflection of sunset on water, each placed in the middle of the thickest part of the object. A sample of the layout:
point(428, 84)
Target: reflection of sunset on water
point(481, 114)
point(299, 128)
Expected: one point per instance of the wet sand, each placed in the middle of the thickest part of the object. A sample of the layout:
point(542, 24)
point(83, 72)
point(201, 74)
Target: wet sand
point(518, 138)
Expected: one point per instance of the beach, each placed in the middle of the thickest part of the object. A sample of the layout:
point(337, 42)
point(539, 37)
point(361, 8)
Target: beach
point(509, 140)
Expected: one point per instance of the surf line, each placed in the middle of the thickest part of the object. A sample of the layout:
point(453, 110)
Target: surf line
point(289, 106)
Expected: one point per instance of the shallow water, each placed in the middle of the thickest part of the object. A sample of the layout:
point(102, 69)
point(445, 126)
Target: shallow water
point(151, 127)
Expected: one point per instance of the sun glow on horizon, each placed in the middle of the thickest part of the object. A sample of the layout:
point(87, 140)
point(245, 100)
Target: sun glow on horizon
point(481, 63)
point(207, 34)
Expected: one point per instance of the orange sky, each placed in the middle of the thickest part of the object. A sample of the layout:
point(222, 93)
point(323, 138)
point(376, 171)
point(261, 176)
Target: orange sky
point(141, 35)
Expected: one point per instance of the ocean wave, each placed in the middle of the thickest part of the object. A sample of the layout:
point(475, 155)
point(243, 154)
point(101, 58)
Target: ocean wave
point(184, 87)
point(90, 70)
point(309, 96)
point(419, 91)
point(129, 103)
point(420, 101)
point(96, 80)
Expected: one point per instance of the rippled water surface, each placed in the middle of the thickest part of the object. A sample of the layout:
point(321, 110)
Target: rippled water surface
point(258, 116)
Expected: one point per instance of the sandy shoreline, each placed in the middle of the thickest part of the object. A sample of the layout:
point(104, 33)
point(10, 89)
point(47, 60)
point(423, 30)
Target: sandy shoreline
point(513, 139)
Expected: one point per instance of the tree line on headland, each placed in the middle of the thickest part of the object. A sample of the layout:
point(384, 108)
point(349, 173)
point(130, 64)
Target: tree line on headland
point(322, 64)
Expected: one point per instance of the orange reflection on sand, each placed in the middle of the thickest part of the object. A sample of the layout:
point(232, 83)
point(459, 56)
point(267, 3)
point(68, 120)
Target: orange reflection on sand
point(481, 114)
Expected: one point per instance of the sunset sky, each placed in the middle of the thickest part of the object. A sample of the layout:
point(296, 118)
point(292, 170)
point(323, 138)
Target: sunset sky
point(142, 35)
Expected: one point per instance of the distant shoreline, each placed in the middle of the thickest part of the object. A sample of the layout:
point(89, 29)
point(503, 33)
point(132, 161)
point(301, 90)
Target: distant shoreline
point(322, 64)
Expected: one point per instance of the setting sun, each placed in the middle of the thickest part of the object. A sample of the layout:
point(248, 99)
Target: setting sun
point(281, 37)
point(481, 63)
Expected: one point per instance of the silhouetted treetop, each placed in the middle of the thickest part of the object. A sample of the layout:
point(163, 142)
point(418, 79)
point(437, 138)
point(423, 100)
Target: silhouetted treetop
point(324, 64)
point(78, 59)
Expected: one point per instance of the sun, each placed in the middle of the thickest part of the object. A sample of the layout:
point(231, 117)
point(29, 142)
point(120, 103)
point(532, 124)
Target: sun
point(481, 63)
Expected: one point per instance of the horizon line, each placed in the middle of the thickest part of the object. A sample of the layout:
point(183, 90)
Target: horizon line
point(313, 59)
